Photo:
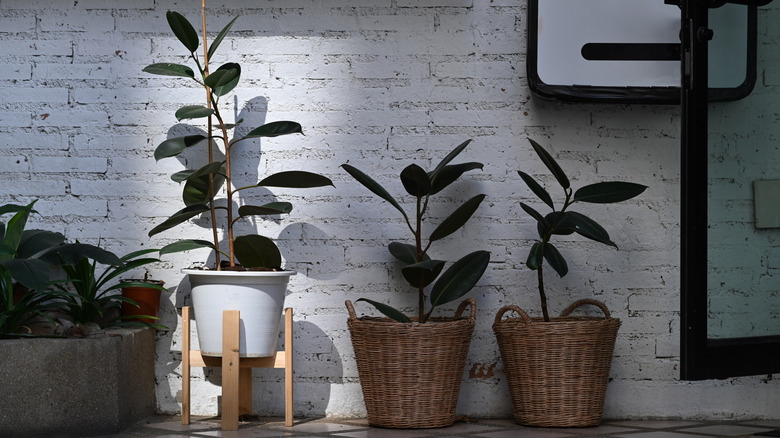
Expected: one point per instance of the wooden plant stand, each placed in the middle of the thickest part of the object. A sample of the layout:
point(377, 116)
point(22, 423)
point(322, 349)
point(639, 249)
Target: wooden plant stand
point(236, 371)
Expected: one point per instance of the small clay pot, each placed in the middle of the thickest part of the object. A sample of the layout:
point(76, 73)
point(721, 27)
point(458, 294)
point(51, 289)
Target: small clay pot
point(146, 297)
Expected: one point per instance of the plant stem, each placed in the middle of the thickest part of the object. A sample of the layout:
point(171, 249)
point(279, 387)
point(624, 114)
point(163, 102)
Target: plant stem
point(542, 295)
point(212, 209)
point(420, 256)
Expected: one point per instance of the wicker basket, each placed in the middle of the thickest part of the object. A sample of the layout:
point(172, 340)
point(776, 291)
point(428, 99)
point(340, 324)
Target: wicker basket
point(557, 371)
point(411, 373)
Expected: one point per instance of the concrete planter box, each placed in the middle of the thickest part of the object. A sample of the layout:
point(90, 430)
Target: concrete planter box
point(76, 387)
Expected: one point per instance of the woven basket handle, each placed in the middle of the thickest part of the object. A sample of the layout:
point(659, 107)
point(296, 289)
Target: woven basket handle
point(350, 309)
point(585, 301)
point(524, 316)
point(467, 302)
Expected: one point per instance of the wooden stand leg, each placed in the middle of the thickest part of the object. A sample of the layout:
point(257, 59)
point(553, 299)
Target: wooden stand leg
point(185, 366)
point(230, 369)
point(288, 368)
point(236, 373)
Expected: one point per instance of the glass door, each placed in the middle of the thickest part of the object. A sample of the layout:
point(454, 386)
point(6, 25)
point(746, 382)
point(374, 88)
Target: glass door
point(730, 250)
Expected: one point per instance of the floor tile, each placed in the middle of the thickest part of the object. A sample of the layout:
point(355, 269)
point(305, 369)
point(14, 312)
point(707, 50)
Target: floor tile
point(654, 424)
point(658, 434)
point(377, 432)
point(725, 430)
point(525, 433)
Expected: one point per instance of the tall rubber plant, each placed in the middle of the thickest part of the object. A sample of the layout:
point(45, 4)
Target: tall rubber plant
point(420, 270)
point(203, 185)
point(565, 221)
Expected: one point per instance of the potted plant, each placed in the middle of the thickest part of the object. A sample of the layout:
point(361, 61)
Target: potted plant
point(557, 368)
point(143, 295)
point(250, 278)
point(410, 368)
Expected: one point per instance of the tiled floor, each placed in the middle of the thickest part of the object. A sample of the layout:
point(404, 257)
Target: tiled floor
point(171, 427)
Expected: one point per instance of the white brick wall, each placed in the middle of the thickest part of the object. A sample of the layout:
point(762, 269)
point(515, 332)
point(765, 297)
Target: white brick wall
point(377, 83)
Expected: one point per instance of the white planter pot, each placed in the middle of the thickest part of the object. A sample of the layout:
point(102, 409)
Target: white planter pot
point(258, 295)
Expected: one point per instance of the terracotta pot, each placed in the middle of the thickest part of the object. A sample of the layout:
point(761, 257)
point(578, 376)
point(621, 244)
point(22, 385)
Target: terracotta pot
point(146, 297)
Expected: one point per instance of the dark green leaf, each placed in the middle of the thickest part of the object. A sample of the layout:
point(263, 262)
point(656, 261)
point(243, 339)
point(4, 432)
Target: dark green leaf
point(224, 79)
point(13, 208)
point(174, 146)
point(36, 241)
point(185, 245)
point(72, 253)
point(459, 278)
point(457, 219)
point(255, 251)
point(422, 274)
point(373, 186)
point(196, 189)
point(405, 252)
point(608, 192)
point(193, 112)
point(266, 209)
point(388, 311)
point(415, 181)
point(449, 174)
point(558, 222)
point(275, 129)
point(295, 179)
point(551, 164)
point(537, 188)
point(534, 214)
point(183, 30)
point(451, 156)
point(32, 273)
point(588, 228)
point(555, 259)
point(535, 256)
point(15, 228)
point(179, 217)
point(169, 69)
point(218, 39)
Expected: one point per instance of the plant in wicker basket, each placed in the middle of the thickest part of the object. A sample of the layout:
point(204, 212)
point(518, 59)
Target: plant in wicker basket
point(411, 368)
point(557, 368)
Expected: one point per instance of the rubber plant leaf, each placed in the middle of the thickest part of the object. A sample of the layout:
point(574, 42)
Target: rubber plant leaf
point(535, 256)
point(551, 164)
point(537, 188)
point(255, 251)
point(169, 69)
point(459, 278)
point(423, 273)
point(218, 40)
point(449, 174)
point(183, 30)
point(374, 187)
point(224, 79)
point(179, 217)
point(555, 259)
point(175, 146)
point(275, 129)
point(405, 252)
point(196, 189)
point(535, 214)
point(559, 224)
point(588, 228)
point(193, 112)
point(295, 179)
point(415, 180)
point(608, 192)
point(266, 209)
point(457, 219)
point(451, 156)
point(185, 245)
point(388, 311)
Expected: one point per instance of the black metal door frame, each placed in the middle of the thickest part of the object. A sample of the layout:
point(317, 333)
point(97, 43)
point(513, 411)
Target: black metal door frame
point(701, 357)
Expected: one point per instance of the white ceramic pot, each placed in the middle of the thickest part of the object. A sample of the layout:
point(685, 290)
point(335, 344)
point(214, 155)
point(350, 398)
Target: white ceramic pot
point(258, 295)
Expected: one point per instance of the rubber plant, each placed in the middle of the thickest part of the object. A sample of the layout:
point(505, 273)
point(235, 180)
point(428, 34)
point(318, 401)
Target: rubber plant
point(203, 185)
point(566, 221)
point(420, 270)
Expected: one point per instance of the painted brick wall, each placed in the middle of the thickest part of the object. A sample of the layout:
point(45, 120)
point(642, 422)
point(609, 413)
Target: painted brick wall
point(378, 84)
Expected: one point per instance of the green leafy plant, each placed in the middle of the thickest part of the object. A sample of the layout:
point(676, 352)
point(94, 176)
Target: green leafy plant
point(565, 221)
point(420, 270)
point(89, 293)
point(202, 185)
point(16, 310)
